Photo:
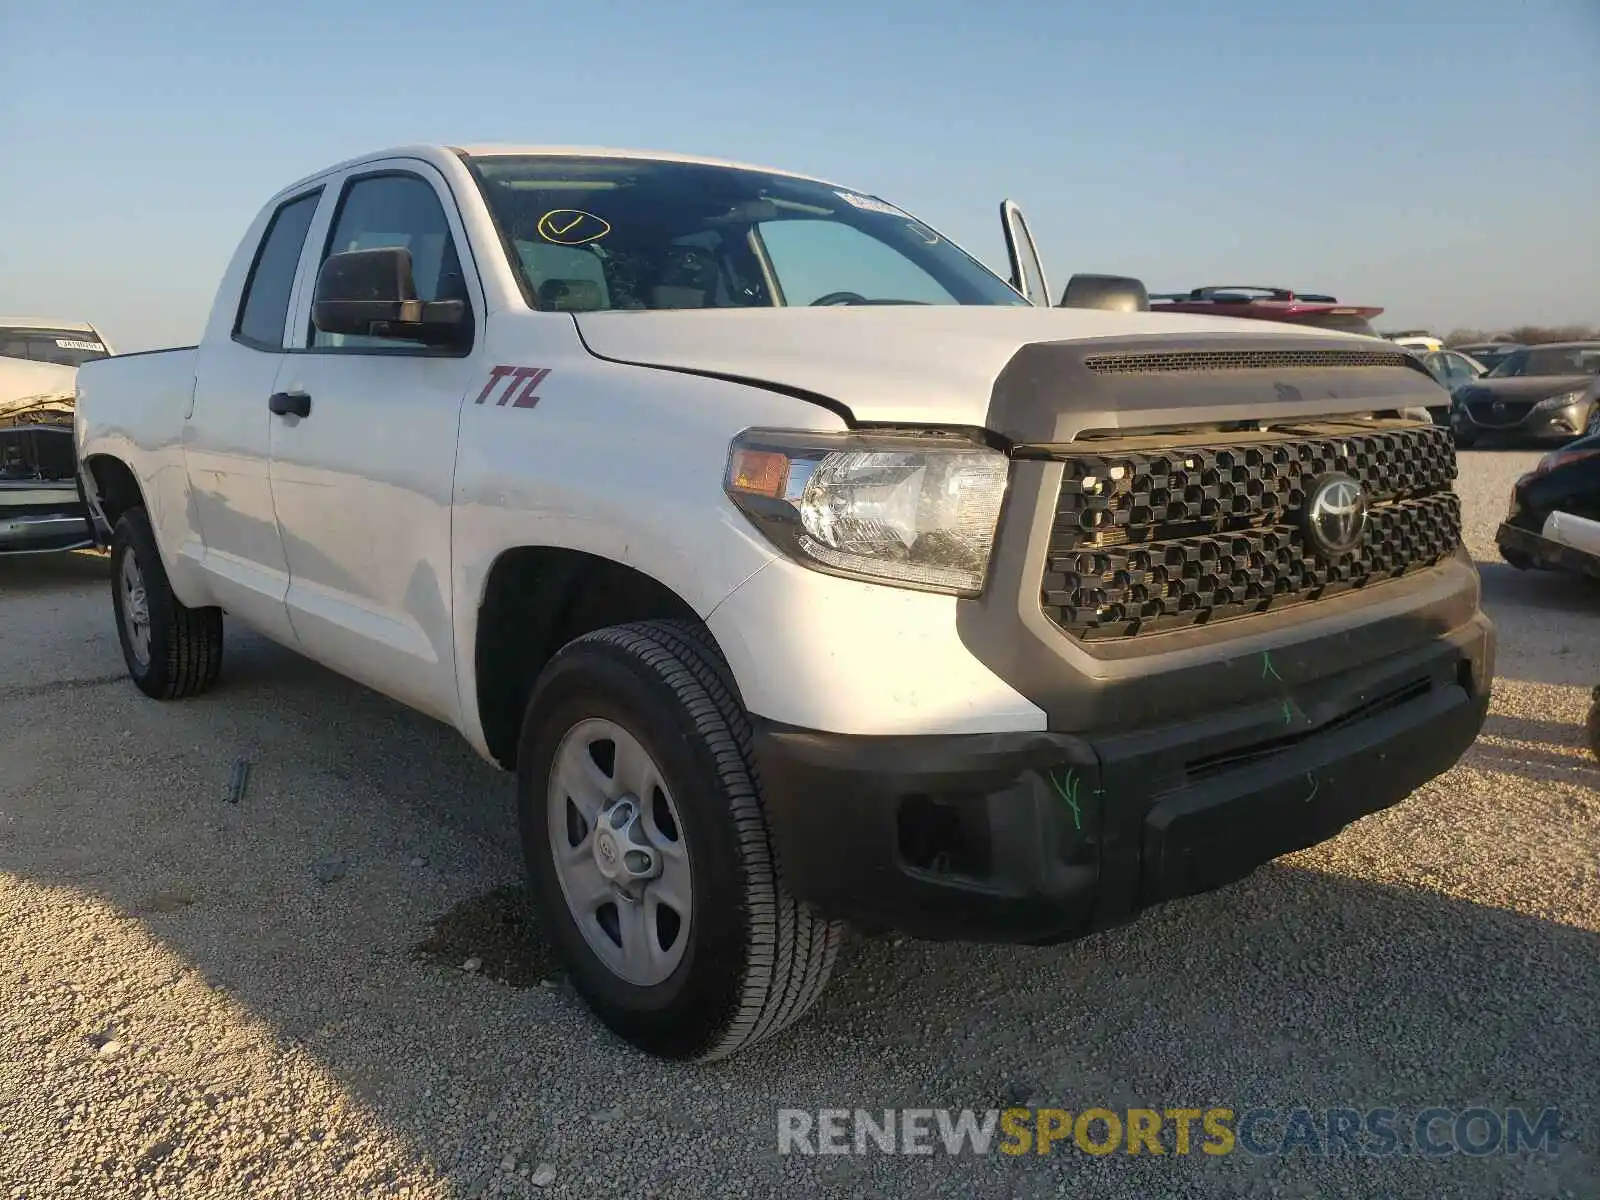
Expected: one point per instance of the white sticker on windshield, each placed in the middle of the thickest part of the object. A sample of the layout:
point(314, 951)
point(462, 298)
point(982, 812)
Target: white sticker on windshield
point(868, 204)
point(69, 344)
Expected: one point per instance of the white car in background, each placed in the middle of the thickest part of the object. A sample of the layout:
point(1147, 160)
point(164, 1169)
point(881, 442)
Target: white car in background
point(1416, 339)
point(42, 508)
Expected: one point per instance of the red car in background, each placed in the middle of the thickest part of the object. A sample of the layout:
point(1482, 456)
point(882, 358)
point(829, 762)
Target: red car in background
point(1292, 308)
point(1270, 304)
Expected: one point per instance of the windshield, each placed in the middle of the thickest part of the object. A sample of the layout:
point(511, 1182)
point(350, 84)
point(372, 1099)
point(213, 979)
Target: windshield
point(592, 234)
point(1550, 360)
point(64, 347)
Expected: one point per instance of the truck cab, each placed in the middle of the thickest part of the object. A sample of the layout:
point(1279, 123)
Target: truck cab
point(805, 571)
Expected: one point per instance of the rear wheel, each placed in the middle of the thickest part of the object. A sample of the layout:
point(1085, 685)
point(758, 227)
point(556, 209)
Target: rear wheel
point(171, 650)
point(648, 850)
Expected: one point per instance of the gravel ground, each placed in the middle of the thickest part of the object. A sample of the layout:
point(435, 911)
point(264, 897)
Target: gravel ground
point(208, 999)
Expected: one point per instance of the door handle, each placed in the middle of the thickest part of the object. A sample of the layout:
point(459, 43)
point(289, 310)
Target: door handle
point(286, 404)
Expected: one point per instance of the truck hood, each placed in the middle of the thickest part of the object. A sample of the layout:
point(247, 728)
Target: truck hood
point(25, 384)
point(966, 366)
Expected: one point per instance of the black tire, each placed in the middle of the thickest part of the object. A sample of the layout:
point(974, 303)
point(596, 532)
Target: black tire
point(185, 644)
point(1594, 723)
point(756, 958)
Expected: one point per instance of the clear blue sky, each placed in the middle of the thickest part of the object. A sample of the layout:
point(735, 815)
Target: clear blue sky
point(1439, 157)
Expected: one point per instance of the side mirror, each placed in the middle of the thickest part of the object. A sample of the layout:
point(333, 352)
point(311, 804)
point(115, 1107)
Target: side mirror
point(1118, 293)
point(372, 293)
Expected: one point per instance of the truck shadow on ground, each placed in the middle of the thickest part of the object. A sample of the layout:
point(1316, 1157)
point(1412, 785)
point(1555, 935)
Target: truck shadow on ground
point(34, 573)
point(364, 824)
point(1552, 751)
point(1546, 591)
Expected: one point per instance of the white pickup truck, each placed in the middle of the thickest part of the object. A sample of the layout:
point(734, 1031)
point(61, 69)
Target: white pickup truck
point(804, 570)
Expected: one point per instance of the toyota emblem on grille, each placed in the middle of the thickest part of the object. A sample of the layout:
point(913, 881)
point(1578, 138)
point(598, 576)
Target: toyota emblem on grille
point(1335, 516)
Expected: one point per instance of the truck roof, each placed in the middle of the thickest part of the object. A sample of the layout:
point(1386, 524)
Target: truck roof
point(438, 150)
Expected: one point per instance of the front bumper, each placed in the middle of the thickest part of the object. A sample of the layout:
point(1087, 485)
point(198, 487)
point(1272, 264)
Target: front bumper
point(1044, 837)
point(1557, 425)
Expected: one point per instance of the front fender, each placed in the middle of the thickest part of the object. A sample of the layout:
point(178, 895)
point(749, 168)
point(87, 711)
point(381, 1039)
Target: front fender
point(623, 463)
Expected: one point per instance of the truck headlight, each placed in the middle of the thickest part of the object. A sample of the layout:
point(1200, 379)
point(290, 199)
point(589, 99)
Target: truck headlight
point(917, 511)
point(1558, 402)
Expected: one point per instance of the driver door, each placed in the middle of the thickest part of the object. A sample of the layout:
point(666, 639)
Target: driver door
point(362, 475)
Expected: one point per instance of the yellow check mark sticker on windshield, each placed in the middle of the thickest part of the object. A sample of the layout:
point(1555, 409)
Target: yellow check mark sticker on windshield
point(572, 226)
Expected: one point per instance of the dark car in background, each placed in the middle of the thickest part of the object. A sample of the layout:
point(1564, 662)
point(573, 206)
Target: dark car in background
point(1539, 393)
point(1490, 354)
point(1554, 520)
point(1452, 369)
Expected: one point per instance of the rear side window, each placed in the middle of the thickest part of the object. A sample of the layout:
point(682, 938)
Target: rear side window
point(265, 305)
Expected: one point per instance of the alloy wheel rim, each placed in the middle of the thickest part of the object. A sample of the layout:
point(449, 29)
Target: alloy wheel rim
point(136, 609)
point(617, 843)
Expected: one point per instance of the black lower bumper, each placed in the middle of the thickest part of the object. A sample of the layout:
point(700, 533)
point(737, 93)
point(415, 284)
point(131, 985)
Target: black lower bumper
point(1043, 837)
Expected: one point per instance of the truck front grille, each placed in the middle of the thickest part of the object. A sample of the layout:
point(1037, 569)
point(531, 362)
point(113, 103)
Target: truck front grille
point(1146, 541)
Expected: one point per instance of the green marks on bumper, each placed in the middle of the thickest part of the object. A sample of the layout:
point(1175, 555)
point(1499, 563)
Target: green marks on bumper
point(1066, 787)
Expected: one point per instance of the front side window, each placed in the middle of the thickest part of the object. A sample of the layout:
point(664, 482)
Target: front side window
point(593, 234)
point(63, 347)
point(397, 210)
point(265, 305)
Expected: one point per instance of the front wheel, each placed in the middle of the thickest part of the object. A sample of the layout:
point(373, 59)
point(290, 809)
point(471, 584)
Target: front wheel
point(648, 850)
point(171, 650)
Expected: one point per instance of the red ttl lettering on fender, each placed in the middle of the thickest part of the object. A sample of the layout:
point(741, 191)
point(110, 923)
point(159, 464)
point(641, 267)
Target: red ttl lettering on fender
point(516, 384)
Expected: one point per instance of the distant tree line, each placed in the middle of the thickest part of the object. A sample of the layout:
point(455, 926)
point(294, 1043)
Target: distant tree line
point(1527, 335)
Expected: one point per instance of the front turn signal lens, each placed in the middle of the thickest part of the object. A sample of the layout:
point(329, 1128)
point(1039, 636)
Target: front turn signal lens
point(759, 472)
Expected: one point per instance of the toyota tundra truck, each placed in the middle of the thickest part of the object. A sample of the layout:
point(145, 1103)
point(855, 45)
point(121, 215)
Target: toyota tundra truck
point(804, 571)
